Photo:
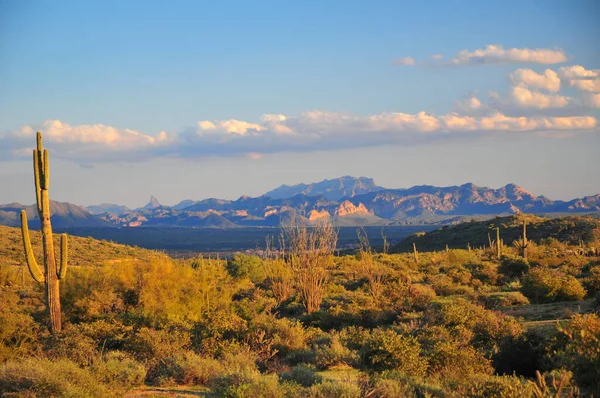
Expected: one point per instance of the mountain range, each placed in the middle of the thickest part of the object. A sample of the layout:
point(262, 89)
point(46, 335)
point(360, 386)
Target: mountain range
point(348, 200)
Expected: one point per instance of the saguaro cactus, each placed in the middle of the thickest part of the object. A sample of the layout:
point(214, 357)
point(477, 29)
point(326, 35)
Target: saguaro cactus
point(52, 274)
point(498, 243)
point(524, 243)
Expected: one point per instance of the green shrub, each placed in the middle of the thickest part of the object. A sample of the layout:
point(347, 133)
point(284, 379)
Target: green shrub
point(513, 267)
point(198, 370)
point(392, 384)
point(266, 386)
point(165, 371)
point(303, 375)
point(331, 389)
point(119, 369)
point(19, 332)
point(45, 378)
point(390, 388)
point(487, 328)
point(245, 266)
point(577, 348)
point(387, 350)
point(239, 368)
point(544, 285)
point(494, 386)
point(592, 282)
point(74, 345)
point(505, 300)
point(450, 353)
point(334, 352)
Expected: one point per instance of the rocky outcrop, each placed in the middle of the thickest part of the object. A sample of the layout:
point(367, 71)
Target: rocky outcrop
point(318, 214)
point(347, 208)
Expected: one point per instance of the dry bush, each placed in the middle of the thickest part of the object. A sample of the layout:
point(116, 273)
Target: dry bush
point(309, 254)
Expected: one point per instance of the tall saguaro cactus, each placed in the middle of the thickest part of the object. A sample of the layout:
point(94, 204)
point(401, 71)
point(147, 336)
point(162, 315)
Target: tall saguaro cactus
point(498, 244)
point(52, 273)
point(524, 242)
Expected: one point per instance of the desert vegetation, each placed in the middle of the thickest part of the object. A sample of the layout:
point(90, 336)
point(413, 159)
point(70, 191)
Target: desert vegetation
point(302, 321)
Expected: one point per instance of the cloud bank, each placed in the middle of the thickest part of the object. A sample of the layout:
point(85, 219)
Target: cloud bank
point(495, 54)
point(310, 131)
point(533, 104)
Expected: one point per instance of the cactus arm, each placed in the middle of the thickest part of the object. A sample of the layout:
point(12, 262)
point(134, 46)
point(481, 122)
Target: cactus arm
point(36, 176)
point(33, 266)
point(64, 246)
point(39, 141)
point(46, 174)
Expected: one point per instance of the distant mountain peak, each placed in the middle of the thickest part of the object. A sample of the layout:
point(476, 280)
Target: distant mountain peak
point(152, 204)
point(333, 189)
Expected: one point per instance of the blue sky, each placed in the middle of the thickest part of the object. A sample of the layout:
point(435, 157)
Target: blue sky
point(182, 88)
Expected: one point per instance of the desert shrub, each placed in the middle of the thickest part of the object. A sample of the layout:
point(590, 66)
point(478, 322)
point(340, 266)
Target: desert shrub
point(577, 348)
point(513, 298)
point(46, 378)
point(494, 386)
point(505, 300)
point(330, 389)
point(444, 285)
point(388, 350)
point(459, 257)
point(486, 272)
point(74, 345)
point(450, 354)
point(245, 266)
point(390, 388)
point(487, 327)
point(239, 369)
point(301, 374)
point(592, 282)
point(165, 371)
point(148, 344)
point(334, 352)
point(119, 369)
point(198, 370)
point(19, 332)
point(420, 296)
point(266, 386)
point(556, 383)
point(513, 267)
point(544, 285)
point(216, 332)
point(285, 334)
point(392, 384)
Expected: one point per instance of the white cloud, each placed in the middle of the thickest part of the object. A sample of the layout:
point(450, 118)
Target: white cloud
point(310, 131)
point(549, 80)
point(526, 98)
point(590, 86)
point(577, 72)
point(231, 126)
point(496, 54)
point(407, 61)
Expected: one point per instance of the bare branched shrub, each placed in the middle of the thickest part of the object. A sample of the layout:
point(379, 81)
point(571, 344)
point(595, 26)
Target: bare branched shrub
point(309, 252)
point(279, 275)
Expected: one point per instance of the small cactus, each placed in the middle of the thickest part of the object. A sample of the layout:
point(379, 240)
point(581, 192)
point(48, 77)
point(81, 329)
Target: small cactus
point(52, 273)
point(524, 244)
